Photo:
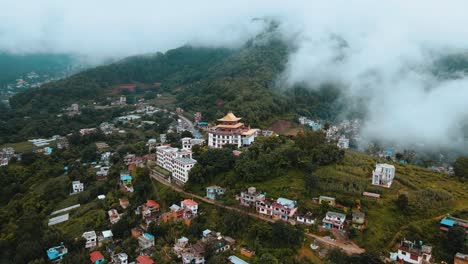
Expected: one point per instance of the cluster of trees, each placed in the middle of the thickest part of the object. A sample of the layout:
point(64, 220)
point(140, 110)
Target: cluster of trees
point(267, 158)
point(211, 163)
point(460, 167)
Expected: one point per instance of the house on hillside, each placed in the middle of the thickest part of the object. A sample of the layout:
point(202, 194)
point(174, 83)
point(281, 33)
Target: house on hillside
point(251, 197)
point(106, 237)
point(121, 258)
point(223, 243)
point(284, 209)
point(96, 257)
point(358, 221)
point(188, 253)
point(102, 173)
point(414, 253)
point(91, 239)
point(306, 219)
point(326, 199)
point(146, 241)
point(126, 181)
point(281, 208)
point(214, 191)
point(114, 216)
point(150, 211)
point(55, 254)
point(77, 187)
point(333, 220)
point(190, 205)
point(449, 222)
point(383, 175)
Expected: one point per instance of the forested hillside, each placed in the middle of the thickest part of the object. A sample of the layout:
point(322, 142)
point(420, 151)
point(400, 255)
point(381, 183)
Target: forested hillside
point(211, 80)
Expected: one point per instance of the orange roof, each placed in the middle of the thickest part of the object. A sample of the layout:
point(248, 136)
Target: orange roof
point(95, 256)
point(230, 117)
point(144, 260)
point(189, 202)
point(152, 203)
point(131, 167)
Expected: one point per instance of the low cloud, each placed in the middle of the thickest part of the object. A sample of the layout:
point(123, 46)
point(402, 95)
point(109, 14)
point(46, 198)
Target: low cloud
point(379, 51)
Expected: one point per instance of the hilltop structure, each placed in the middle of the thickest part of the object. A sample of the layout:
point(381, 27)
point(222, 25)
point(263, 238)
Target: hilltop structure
point(231, 131)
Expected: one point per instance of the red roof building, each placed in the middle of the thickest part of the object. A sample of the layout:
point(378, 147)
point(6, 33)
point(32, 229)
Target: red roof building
point(144, 260)
point(152, 204)
point(188, 202)
point(96, 257)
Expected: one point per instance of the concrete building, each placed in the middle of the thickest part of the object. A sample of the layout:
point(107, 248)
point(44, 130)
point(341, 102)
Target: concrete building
point(213, 191)
point(334, 220)
point(383, 175)
point(188, 143)
point(414, 253)
point(121, 258)
point(177, 161)
point(231, 131)
point(189, 204)
point(91, 239)
point(251, 197)
point(146, 241)
point(77, 187)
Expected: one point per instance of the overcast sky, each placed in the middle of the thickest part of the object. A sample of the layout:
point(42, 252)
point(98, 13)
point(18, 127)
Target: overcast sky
point(390, 45)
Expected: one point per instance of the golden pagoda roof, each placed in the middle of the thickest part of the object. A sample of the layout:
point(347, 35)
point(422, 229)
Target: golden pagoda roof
point(230, 117)
point(238, 125)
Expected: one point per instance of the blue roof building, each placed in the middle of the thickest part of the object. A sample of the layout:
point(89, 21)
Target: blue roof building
point(447, 222)
point(56, 253)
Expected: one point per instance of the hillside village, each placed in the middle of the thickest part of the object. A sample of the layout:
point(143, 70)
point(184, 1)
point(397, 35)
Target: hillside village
point(141, 196)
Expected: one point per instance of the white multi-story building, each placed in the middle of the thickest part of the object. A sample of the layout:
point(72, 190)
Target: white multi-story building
point(91, 239)
point(383, 175)
point(177, 161)
point(77, 186)
point(231, 131)
point(181, 168)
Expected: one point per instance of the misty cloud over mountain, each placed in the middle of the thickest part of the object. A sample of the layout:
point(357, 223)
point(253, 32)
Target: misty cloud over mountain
point(380, 52)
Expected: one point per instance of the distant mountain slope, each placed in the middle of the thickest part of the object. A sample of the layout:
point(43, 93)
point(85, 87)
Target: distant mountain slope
point(174, 67)
point(209, 80)
point(14, 66)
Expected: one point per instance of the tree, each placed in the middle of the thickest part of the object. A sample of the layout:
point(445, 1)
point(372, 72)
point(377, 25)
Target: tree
point(268, 258)
point(402, 202)
point(311, 182)
point(186, 133)
point(460, 167)
point(456, 239)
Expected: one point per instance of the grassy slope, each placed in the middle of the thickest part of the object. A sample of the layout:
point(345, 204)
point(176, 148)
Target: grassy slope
point(385, 223)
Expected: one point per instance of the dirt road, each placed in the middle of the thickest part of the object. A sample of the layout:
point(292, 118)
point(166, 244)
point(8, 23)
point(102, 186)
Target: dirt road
point(348, 247)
